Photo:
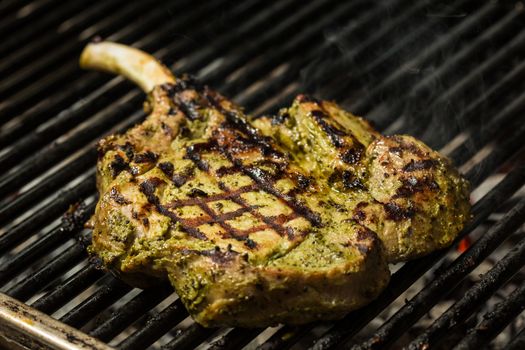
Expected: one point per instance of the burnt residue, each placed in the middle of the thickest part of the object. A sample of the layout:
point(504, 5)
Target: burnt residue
point(397, 213)
point(167, 168)
point(354, 154)
point(197, 192)
point(148, 188)
point(146, 157)
point(216, 255)
point(117, 196)
point(226, 170)
point(193, 152)
point(118, 165)
point(351, 182)
point(128, 150)
point(190, 108)
point(404, 146)
point(303, 182)
point(412, 185)
point(335, 135)
point(415, 165)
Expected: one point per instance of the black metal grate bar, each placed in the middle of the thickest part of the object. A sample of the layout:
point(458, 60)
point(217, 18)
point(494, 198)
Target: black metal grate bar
point(44, 244)
point(111, 290)
point(130, 312)
point(68, 289)
point(518, 342)
point(41, 278)
point(61, 202)
point(155, 326)
point(34, 13)
point(492, 33)
point(235, 339)
point(189, 338)
point(69, 27)
point(481, 291)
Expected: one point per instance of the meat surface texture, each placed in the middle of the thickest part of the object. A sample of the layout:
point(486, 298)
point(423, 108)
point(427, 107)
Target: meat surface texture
point(283, 219)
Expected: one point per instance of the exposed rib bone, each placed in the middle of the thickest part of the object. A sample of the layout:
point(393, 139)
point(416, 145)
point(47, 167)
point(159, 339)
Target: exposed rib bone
point(134, 64)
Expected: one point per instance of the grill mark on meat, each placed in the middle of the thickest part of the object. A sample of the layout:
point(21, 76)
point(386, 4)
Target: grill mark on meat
point(231, 232)
point(415, 165)
point(239, 123)
point(354, 154)
point(117, 196)
point(334, 134)
point(413, 185)
point(266, 184)
point(148, 189)
point(405, 146)
point(211, 198)
point(396, 213)
point(178, 179)
point(263, 180)
point(167, 168)
point(146, 157)
point(217, 255)
point(128, 149)
point(193, 153)
point(118, 165)
point(272, 222)
point(226, 170)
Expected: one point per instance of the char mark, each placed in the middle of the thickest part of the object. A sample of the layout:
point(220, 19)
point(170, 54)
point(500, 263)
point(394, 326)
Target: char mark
point(265, 182)
point(336, 135)
point(178, 179)
point(396, 213)
point(354, 154)
point(231, 232)
point(146, 157)
point(167, 168)
point(193, 153)
point(414, 185)
point(118, 165)
point(415, 165)
point(118, 197)
point(148, 188)
point(128, 149)
point(217, 255)
point(405, 146)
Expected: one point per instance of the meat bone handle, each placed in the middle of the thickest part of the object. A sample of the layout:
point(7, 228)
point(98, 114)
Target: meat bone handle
point(136, 65)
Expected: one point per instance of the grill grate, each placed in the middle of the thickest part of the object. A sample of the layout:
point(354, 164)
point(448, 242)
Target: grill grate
point(450, 73)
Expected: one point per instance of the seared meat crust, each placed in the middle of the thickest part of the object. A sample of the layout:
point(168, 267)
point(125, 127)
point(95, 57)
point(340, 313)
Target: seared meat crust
point(246, 236)
point(284, 219)
point(396, 186)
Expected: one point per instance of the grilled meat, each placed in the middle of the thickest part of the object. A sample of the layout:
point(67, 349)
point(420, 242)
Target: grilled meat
point(285, 219)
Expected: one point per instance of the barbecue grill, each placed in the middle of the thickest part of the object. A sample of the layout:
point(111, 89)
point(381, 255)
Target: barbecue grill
point(451, 73)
